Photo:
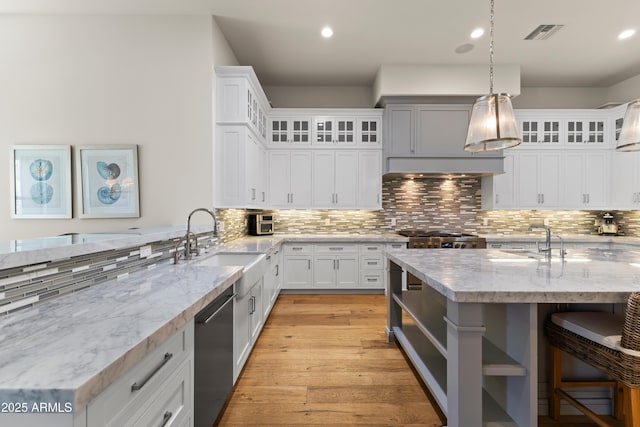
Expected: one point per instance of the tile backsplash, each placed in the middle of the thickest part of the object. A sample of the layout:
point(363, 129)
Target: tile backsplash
point(430, 203)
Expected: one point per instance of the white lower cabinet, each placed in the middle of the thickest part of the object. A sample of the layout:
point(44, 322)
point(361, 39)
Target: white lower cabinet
point(298, 268)
point(335, 266)
point(248, 317)
point(156, 391)
point(272, 281)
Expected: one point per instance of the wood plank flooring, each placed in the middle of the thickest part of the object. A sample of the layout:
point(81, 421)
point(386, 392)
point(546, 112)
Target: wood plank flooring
point(323, 360)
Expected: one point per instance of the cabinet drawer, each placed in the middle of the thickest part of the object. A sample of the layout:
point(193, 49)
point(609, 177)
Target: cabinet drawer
point(118, 403)
point(329, 248)
point(298, 249)
point(369, 248)
point(372, 279)
point(399, 245)
point(371, 262)
point(172, 405)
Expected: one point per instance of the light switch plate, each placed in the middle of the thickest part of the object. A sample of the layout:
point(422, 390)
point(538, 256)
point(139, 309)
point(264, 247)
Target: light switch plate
point(145, 251)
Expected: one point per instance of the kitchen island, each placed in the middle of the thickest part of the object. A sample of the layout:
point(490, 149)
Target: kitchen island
point(472, 332)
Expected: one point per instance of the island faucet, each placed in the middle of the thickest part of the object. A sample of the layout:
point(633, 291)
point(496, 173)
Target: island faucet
point(547, 242)
point(188, 236)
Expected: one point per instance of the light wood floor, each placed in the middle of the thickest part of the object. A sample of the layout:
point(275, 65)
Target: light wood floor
point(323, 360)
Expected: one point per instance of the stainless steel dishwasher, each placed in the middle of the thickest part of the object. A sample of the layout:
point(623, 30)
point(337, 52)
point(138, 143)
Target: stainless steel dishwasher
point(213, 368)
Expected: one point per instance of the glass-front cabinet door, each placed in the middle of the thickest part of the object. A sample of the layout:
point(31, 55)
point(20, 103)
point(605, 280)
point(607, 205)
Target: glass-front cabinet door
point(287, 130)
point(369, 131)
point(334, 130)
point(586, 131)
point(540, 131)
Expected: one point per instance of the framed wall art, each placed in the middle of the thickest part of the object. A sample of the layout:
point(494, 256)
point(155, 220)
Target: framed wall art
point(107, 181)
point(40, 181)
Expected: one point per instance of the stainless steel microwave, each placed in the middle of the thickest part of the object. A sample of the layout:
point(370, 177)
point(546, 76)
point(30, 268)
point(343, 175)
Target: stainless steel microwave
point(260, 224)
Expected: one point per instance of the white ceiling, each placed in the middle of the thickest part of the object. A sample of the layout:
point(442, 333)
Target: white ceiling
point(281, 40)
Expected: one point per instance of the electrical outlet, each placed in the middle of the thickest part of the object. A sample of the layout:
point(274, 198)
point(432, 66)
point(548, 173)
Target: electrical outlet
point(485, 221)
point(327, 221)
point(546, 222)
point(145, 251)
point(393, 222)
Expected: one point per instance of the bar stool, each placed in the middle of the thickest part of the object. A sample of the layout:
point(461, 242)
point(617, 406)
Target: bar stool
point(607, 342)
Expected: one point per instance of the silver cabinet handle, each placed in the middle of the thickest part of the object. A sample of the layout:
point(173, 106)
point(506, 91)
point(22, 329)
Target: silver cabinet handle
point(336, 198)
point(497, 199)
point(338, 264)
point(135, 386)
point(253, 194)
point(277, 270)
point(297, 248)
point(336, 248)
point(334, 264)
point(309, 267)
point(264, 197)
point(588, 198)
point(291, 197)
point(252, 305)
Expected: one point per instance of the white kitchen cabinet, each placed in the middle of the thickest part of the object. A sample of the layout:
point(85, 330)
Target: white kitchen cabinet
point(272, 281)
point(499, 191)
point(290, 130)
point(290, 178)
point(298, 266)
point(335, 266)
point(540, 131)
point(372, 266)
point(370, 131)
point(587, 131)
point(585, 180)
point(240, 168)
point(334, 130)
point(335, 179)
point(241, 100)
point(248, 317)
point(624, 187)
point(163, 382)
point(369, 179)
point(538, 180)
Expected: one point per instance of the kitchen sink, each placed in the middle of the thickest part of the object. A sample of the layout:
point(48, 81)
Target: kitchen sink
point(254, 266)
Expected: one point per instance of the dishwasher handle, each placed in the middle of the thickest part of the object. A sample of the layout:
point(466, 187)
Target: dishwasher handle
point(208, 319)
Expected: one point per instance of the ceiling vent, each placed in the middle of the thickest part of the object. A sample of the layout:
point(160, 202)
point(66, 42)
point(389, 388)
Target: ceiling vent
point(543, 32)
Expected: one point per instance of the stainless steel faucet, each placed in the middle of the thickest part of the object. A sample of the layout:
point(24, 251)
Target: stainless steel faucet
point(547, 242)
point(188, 251)
point(562, 251)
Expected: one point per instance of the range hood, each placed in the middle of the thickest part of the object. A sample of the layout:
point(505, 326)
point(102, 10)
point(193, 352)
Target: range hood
point(443, 167)
point(429, 139)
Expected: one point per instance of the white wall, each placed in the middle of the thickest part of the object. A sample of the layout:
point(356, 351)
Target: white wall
point(319, 96)
point(560, 97)
point(625, 91)
point(143, 80)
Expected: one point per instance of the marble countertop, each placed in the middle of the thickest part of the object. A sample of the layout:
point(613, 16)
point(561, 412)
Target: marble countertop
point(71, 348)
point(568, 238)
point(511, 276)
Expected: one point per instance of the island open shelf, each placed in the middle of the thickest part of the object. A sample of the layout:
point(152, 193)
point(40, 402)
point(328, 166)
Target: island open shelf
point(442, 339)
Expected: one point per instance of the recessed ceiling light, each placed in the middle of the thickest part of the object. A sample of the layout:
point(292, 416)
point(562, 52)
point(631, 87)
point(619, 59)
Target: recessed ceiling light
point(326, 32)
point(477, 33)
point(626, 34)
point(464, 48)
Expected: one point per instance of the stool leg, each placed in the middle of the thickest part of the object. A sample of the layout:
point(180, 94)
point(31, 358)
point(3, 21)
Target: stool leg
point(556, 380)
point(618, 401)
point(632, 400)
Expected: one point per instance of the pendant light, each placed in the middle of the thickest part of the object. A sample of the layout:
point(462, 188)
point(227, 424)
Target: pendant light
point(629, 139)
point(493, 123)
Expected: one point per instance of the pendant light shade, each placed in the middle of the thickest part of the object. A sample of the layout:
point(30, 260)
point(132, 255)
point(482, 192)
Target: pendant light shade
point(629, 139)
point(493, 124)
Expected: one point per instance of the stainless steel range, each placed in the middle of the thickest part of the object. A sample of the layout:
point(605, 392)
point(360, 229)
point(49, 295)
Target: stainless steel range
point(439, 239)
point(442, 239)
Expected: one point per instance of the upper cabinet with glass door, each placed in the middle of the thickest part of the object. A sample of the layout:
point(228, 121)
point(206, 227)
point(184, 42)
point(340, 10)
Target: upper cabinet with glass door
point(334, 130)
point(564, 128)
point(290, 130)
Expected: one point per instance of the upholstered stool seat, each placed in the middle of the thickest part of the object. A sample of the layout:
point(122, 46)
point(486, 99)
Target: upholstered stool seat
point(607, 342)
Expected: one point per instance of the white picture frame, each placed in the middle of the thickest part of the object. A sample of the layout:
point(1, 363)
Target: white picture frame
point(41, 181)
point(107, 181)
